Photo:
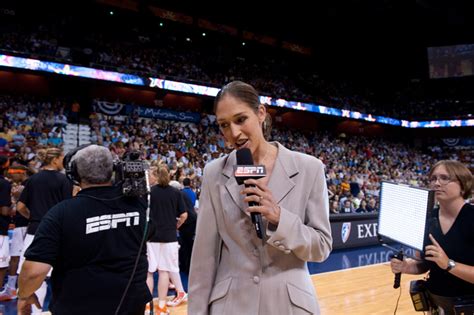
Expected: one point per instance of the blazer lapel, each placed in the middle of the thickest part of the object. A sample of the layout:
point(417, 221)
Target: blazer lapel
point(231, 184)
point(281, 183)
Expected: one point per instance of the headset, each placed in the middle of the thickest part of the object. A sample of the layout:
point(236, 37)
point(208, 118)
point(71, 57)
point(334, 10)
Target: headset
point(70, 165)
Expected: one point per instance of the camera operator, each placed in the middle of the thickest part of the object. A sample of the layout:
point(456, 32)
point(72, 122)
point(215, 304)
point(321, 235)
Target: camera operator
point(450, 255)
point(92, 242)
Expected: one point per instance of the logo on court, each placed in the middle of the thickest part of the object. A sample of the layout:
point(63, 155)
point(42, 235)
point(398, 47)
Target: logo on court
point(345, 231)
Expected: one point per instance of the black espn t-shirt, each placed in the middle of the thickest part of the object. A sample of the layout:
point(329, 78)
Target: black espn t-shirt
point(92, 241)
point(42, 191)
point(5, 201)
point(166, 204)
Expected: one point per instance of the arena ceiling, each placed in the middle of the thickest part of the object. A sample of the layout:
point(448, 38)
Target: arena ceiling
point(353, 38)
point(360, 37)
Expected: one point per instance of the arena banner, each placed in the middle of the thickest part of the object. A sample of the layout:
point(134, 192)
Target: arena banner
point(167, 114)
point(116, 108)
point(85, 72)
point(69, 70)
point(354, 230)
point(108, 108)
point(451, 142)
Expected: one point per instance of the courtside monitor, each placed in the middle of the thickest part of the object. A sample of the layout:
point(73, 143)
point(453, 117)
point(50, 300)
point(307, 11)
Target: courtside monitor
point(404, 214)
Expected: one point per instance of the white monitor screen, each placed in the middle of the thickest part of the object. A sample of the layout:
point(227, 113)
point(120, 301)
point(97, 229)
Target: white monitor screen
point(404, 213)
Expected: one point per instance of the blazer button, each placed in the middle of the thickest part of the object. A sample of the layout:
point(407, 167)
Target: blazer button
point(256, 279)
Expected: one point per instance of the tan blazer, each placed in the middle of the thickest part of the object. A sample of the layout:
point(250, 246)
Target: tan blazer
point(232, 270)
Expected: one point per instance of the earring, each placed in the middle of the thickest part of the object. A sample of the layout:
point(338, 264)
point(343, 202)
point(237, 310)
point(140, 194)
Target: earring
point(265, 125)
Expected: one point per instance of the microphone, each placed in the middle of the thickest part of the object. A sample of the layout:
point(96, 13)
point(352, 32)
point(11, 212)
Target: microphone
point(246, 170)
point(398, 275)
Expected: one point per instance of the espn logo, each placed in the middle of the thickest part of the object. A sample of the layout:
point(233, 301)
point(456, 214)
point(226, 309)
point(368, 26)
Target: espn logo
point(111, 221)
point(249, 170)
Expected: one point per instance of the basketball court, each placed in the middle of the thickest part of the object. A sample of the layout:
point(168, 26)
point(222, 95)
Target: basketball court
point(350, 281)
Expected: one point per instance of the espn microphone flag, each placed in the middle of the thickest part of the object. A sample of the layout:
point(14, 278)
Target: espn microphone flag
point(243, 172)
point(246, 170)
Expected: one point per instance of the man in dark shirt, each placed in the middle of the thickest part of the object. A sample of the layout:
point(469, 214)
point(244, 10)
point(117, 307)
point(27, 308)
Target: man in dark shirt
point(188, 229)
point(189, 191)
point(92, 242)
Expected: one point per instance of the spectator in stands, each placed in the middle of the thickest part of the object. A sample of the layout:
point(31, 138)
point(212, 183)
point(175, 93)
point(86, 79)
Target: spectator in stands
point(43, 139)
point(75, 111)
point(227, 250)
point(342, 201)
point(345, 186)
point(18, 139)
point(21, 114)
point(357, 200)
point(362, 207)
point(333, 207)
point(346, 207)
point(3, 138)
point(449, 257)
point(354, 186)
point(49, 121)
point(180, 175)
point(372, 205)
point(55, 140)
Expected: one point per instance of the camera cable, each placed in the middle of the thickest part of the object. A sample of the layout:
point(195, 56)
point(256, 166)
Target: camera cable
point(145, 232)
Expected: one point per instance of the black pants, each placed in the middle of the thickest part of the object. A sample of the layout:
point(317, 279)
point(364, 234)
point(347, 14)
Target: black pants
point(186, 242)
point(139, 311)
point(451, 305)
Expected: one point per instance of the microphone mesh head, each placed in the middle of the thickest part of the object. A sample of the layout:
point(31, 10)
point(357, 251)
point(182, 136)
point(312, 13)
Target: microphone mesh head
point(244, 157)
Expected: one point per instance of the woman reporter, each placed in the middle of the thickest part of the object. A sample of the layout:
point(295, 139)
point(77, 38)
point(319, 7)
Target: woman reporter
point(232, 270)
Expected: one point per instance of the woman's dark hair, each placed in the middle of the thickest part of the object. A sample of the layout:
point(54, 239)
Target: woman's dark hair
point(247, 94)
